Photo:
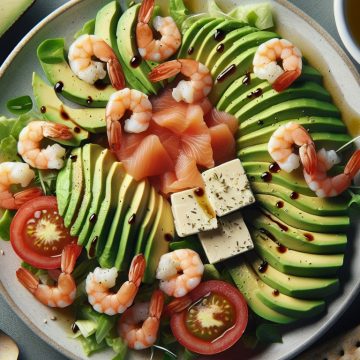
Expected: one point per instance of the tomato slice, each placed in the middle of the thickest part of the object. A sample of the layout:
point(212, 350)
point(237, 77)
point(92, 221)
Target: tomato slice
point(214, 322)
point(38, 234)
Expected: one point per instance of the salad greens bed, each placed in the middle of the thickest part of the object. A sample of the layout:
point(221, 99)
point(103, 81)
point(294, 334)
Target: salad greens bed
point(304, 276)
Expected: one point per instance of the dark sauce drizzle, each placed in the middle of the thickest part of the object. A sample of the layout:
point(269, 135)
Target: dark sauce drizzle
point(89, 100)
point(267, 233)
point(73, 158)
point(135, 61)
point(220, 48)
point(93, 218)
point(93, 246)
point(281, 248)
point(280, 204)
point(58, 87)
point(247, 79)
point(294, 195)
point(255, 94)
point(226, 73)
point(266, 176)
point(43, 109)
point(190, 50)
point(279, 224)
point(263, 266)
point(77, 129)
point(168, 237)
point(276, 292)
point(309, 237)
point(274, 167)
point(100, 85)
point(132, 219)
point(219, 35)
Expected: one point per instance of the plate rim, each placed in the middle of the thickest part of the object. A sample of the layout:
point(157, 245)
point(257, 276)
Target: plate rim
point(293, 8)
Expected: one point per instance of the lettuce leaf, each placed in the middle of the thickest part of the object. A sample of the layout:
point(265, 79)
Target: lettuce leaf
point(118, 345)
point(8, 149)
point(178, 11)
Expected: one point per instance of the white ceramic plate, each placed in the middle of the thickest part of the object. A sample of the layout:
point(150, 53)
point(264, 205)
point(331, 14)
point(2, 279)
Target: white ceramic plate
point(341, 79)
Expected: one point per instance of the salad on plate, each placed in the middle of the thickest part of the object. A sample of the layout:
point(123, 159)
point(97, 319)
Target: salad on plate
point(182, 182)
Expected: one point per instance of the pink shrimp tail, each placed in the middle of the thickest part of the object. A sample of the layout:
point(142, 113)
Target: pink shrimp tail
point(137, 269)
point(353, 165)
point(156, 304)
point(116, 74)
point(114, 133)
point(58, 131)
point(27, 279)
point(165, 70)
point(14, 201)
point(146, 10)
point(285, 80)
point(178, 305)
point(69, 256)
point(308, 157)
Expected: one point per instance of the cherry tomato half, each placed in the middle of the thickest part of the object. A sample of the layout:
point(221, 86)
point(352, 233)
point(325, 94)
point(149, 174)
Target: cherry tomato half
point(214, 322)
point(38, 234)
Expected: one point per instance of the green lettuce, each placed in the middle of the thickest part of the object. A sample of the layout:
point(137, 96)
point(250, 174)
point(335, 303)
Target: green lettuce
point(178, 11)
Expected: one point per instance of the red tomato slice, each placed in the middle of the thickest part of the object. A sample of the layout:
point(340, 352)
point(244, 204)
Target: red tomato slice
point(214, 322)
point(38, 234)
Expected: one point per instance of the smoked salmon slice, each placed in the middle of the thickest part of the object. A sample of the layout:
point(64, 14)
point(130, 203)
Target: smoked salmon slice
point(222, 143)
point(196, 140)
point(187, 174)
point(149, 159)
point(216, 117)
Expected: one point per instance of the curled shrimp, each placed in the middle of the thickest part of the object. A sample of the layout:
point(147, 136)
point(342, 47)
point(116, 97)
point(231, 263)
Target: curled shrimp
point(81, 54)
point(179, 272)
point(156, 49)
point(29, 144)
point(282, 144)
point(279, 62)
point(120, 103)
point(13, 173)
point(139, 325)
point(194, 90)
point(99, 283)
point(61, 295)
point(321, 183)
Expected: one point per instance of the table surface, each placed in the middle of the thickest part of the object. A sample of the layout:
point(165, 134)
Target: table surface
point(32, 347)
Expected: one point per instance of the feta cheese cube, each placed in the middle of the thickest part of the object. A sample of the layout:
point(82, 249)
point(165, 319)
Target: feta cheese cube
point(231, 238)
point(228, 187)
point(192, 213)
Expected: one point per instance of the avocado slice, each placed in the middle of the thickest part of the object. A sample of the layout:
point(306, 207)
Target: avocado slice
point(236, 62)
point(295, 262)
point(64, 187)
point(54, 110)
point(313, 124)
point(102, 168)
point(79, 120)
point(248, 283)
point(260, 152)
point(288, 305)
point(271, 97)
point(77, 186)
point(90, 154)
point(107, 251)
point(288, 110)
point(213, 54)
point(127, 46)
point(105, 27)
point(157, 245)
point(132, 221)
point(114, 180)
point(311, 204)
point(295, 239)
point(294, 180)
point(10, 11)
point(201, 37)
point(301, 219)
point(297, 286)
point(189, 35)
point(57, 70)
point(145, 226)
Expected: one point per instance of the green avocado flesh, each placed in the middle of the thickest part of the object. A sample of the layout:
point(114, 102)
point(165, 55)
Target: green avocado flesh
point(112, 214)
point(57, 70)
point(299, 238)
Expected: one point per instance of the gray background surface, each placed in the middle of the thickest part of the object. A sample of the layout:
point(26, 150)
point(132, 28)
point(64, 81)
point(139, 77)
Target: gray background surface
point(32, 347)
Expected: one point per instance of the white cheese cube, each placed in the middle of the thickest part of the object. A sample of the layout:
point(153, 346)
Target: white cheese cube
point(192, 213)
point(228, 187)
point(231, 238)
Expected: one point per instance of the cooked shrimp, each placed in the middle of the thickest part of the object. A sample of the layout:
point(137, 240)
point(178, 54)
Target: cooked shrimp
point(156, 49)
point(81, 54)
point(29, 144)
point(325, 186)
point(99, 283)
point(13, 173)
point(61, 295)
point(281, 147)
point(194, 90)
point(179, 272)
point(140, 324)
point(279, 62)
point(121, 102)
